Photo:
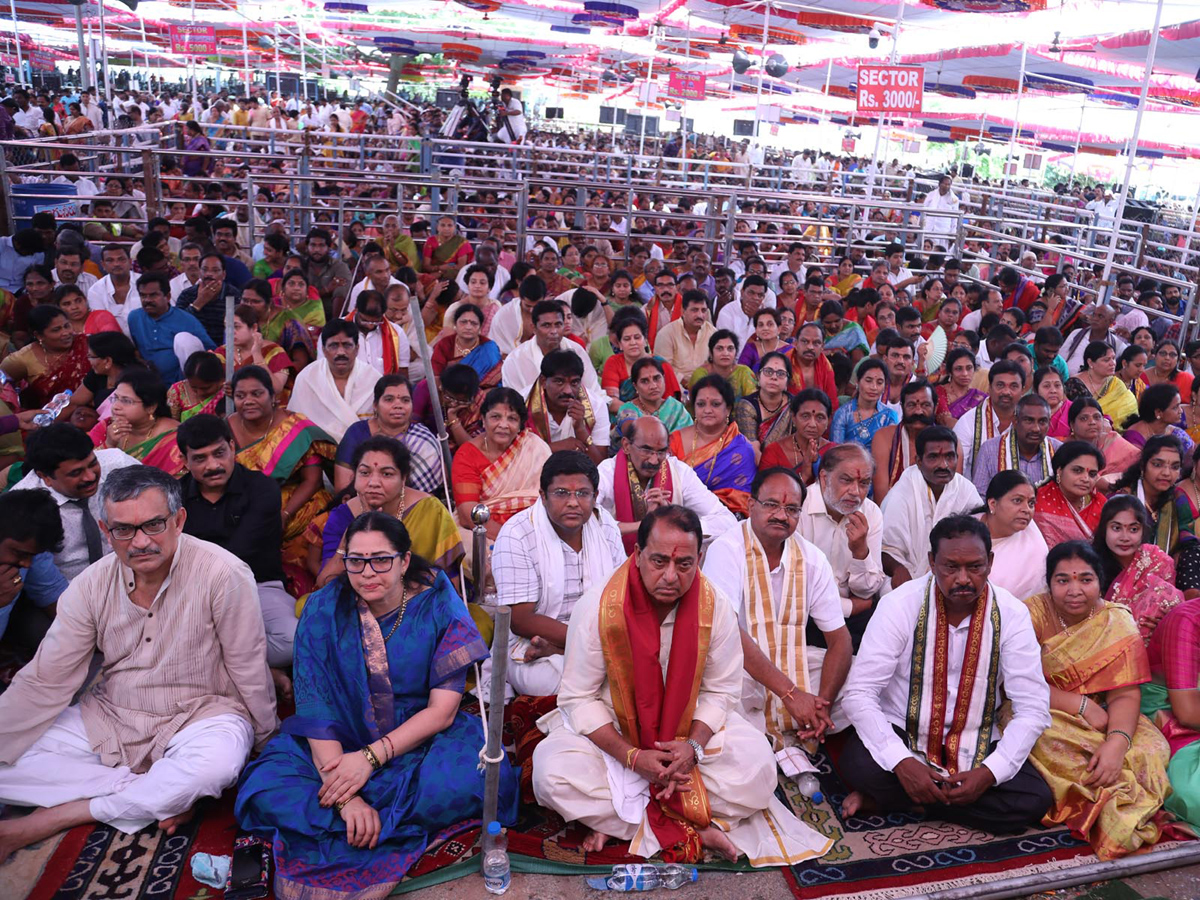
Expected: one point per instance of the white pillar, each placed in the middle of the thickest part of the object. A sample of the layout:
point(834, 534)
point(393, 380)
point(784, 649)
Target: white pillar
point(12, 5)
point(879, 124)
point(246, 56)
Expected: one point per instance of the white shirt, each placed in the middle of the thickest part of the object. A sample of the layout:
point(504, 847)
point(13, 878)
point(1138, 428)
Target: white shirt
point(517, 122)
point(365, 285)
point(524, 364)
point(862, 578)
point(732, 317)
point(370, 348)
point(179, 284)
point(565, 430)
point(876, 694)
point(84, 282)
point(689, 491)
point(964, 429)
point(941, 212)
point(84, 187)
point(101, 296)
point(782, 266)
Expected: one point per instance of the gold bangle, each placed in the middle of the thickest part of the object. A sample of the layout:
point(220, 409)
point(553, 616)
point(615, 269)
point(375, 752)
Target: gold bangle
point(371, 757)
point(629, 757)
point(341, 804)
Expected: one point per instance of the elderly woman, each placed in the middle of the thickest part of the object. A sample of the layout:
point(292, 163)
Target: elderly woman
point(393, 417)
point(722, 458)
point(649, 382)
point(378, 758)
point(762, 416)
point(1166, 369)
point(467, 345)
point(1104, 763)
point(809, 413)
point(1068, 506)
point(500, 467)
point(1097, 379)
point(1016, 540)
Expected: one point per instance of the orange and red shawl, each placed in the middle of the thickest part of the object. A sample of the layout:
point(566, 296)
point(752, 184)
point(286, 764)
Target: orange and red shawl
point(391, 344)
point(623, 492)
point(824, 377)
point(649, 709)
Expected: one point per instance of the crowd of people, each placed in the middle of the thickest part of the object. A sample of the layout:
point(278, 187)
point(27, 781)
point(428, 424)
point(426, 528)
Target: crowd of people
point(935, 513)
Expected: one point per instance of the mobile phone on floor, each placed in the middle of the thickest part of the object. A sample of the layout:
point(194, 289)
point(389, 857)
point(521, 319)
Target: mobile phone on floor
point(248, 874)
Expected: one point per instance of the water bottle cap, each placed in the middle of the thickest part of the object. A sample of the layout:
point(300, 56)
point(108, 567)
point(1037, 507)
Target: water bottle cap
point(493, 828)
point(818, 797)
point(695, 873)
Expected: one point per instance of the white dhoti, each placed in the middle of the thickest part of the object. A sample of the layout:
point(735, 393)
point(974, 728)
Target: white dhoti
point(754, 698)
point(539, 678)
point(201, 760)
point(572, 776)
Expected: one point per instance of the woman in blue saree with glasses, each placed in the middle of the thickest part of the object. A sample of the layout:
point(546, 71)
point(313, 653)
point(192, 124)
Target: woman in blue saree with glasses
point(378, 761)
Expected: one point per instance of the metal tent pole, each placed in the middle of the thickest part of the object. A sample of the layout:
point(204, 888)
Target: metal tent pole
point(1132, 155)
point(85, 75)
point(12, 5)
point(246, 56)
point(879, 125)
point(104, 65)
point(195, 93)
point(1078, 138)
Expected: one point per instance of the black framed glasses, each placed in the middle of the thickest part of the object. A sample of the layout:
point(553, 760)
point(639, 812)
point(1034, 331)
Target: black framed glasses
point(356, 565)
point(150, 528)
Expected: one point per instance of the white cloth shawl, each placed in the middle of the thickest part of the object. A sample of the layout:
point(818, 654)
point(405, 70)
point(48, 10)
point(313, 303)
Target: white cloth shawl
point(910, 512)
point(316, 396)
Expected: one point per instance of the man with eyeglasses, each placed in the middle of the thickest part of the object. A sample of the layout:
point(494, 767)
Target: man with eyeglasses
point(61, 460)
point(238, 510)
point(184, 691)
point(543, 560)
point(644, 476)
point(778, 581)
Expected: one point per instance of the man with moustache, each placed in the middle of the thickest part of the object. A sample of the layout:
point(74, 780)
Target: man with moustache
point(894, 447)
point(563, 413)
point(779, 582)
point(810, 367)
point(522, 367)
point(651, 684)
point(924, 494)
point(1025, 446)
point(238, 509)
point(908, 749)
point(842, 522)
point(900, 360)
point(339, 388)
point(543, 561)
point(994, 416)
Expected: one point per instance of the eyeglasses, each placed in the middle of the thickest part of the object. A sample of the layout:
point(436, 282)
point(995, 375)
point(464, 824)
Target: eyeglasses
point(772, 506)
point(149, 528)
point(358, 564)
point(773, 373)
point(561, 494)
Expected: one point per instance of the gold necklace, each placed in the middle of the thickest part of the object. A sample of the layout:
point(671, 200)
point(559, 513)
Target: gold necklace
point(1063, 623)
point(403, 607)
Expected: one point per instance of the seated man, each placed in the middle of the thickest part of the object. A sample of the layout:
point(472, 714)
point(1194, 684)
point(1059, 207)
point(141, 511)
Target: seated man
point(925, 494)
point(644, 476)
point(992, 417)
point(184, 691)
point(238, 509)
point(910, 746)
point(894, 447)
point(563, 412)
point(382, 344)
point(523, 364)
point(339, 388)
point(165, 335)
point(777, 580)
point(665, 763)
point(30, 528)
point(846, 525)
point(62, 460)
point(1024, 446)
point(543, 560)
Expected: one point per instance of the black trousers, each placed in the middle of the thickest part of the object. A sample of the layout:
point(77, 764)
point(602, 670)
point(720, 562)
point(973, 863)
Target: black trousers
point(1004, 808)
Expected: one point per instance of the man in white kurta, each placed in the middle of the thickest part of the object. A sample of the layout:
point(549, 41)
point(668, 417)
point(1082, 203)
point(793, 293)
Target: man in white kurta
point(543, 560)
point(941, 212)
point(338, 389)
point(778, 581)
point(589, 770)
point(994, 416)
point(524, 364)
point(924, 494)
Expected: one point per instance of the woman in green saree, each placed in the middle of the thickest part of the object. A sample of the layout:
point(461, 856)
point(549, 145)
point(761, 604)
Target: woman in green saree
point(141, 423)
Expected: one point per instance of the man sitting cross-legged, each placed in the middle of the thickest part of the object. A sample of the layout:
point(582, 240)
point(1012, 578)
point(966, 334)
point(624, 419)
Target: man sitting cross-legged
point(544, 559)
point(777, 580)
point(184, 690)
point(938, 657)
point(646, 744)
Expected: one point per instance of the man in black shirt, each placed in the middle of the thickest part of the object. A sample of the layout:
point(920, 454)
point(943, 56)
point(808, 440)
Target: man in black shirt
point(239, 510)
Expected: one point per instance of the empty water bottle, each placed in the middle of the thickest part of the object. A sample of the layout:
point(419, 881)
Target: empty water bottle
point(53, 408)
point(810, 787)
point(645, 877)
point(497, 875)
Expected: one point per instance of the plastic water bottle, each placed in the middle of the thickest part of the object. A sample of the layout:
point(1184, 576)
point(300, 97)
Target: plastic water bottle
point(645, 877)
point(809, 787)
point(497, 875)
point(53, 408)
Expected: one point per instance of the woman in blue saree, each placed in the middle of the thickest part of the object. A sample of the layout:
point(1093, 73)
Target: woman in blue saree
point(859, 419)
point(465, 344)
point(714, 447)
point(378, 761)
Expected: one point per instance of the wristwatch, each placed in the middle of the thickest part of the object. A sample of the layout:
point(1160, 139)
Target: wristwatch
point(696, 748)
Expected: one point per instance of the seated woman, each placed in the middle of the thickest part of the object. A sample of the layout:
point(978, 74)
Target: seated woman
point(1172, 701)
point(201, 391)
point(140, 423)
point(768, 323)
point(292, 450)
point(1153, 479)
point(381, 467)
point(1087, 423)
point(465, 344)
point(1104, 763)
point(378, 758)
point(479, 283)
point(1136, 574)
point(1068, 506)
point(762, 417)
point(649, 381)
point(722, 360)
point(859, 419)
point(279, 326)
point(500, 467)
point(845, 279)
point(84, 320)
point(251, 349)
point(1130, 366)
point(56, 361)
point(393, 418)
point(1048, 384)
point(722, 458)
point(1097, 379)
point(808, 413)
point(110, 353)
point(955, 393)
point(617, 377)
point(1166, 369)
point(1016, 540)
point(298, 305)
point(1159, 412)
point(842, 335)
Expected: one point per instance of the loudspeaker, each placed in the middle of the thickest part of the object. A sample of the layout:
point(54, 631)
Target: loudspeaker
point(652, 125)
point(1139, 211)
point(553, 112)
point(608, 115)
point(633, 123)
point(743, 128)
point(967, 170)
point(621, 116)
